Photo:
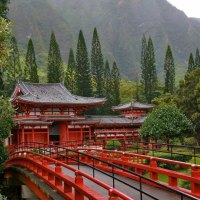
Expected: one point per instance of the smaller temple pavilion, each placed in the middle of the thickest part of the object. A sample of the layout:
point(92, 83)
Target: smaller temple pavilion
point(133, 109)
point(44, 113)
point(49, 113)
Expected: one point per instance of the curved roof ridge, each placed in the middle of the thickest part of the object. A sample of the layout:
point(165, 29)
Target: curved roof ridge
point(28, 89)
point(75, 96)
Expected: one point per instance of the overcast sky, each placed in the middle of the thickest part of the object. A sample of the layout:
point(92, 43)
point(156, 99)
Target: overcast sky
point(190, 7)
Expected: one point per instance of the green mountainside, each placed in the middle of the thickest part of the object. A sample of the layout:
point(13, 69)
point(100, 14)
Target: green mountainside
point(120, 24)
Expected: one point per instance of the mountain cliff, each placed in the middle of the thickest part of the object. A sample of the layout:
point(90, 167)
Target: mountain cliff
point(120, 24)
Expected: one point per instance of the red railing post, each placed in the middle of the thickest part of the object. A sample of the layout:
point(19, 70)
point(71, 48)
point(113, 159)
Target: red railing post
point(67, 188)
point(58, 170)
point(172, 181)
point(44, 171)
point(153, 164)
point(112, 195)
point(195, 187)
point(78, 181)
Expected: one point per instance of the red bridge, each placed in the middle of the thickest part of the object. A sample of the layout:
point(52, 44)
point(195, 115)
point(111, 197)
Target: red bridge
point(55, 172)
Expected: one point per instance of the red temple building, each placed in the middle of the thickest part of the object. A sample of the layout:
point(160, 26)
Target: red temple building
point(45, 112)
point(49, 113)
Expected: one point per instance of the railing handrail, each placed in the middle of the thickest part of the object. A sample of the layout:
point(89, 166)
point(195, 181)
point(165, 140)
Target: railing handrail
point(56, 162)
point(115, 166)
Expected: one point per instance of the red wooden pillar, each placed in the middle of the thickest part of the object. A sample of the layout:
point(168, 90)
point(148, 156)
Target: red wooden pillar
point(33, 136)
point(47, 134)
point(89, 132)
point(81, 133)
point(22, 138)
point(67, 133)
point(62, 132)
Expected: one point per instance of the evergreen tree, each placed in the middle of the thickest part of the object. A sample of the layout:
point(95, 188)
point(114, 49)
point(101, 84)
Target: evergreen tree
point(70, 77)
point(84, 86)
point(150, 71)
point(115, 85)
point(4, 8)
point(144, 65)
point(55, 68)
point(13, 70)
point(197, 58)
point(191, 64)
point(169, 71)
point(106, 88)
point(97, 64)
point(31, 66)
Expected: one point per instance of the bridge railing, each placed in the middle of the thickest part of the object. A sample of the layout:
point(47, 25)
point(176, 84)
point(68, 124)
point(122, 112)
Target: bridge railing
point(140, 147)
point(80, 158)
point(149, 165)
point(153, 148)
point(57, 179)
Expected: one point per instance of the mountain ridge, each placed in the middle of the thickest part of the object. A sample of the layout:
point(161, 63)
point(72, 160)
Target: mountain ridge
point(120, 24)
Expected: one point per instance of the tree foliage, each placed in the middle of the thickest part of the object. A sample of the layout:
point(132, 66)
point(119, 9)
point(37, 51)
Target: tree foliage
point(165, 99)
point(191, 64)
point(169, 71)
point(166, 123)
point(84, 86)
point(6, 124)
point(4, 8)
point(189, 99)
point(149, 74)
point(106, 89)
point(197, 58)
point(13, 69)
point(31, 66)
point(55, 68)
point(70, 76)
point(115, 85)
point(5, 35)
point(97, 64)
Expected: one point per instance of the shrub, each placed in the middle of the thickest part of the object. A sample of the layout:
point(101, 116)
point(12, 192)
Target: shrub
point(113, 144)
point(177, 157)
point(185, 184)
point(2, 197)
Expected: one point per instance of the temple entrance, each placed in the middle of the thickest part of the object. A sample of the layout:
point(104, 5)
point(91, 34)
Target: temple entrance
point(54, 136)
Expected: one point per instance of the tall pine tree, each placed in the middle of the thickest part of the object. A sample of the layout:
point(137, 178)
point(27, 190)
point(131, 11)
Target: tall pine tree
point(4, 8)
point(55, 69)
point(106, 89)
point(13, 70)
point(115, 85)
point(151, 72)
point(191, 64)
point(97, 64)
point(169, 71)
point(31, 66)
point(70, 77)
point(84, 86)
point(197, 59)
point(144, 66)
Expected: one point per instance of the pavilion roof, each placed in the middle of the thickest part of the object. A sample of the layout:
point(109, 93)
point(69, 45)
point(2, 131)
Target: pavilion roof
point(50, 93)
point(133, 105)
point(110, 120)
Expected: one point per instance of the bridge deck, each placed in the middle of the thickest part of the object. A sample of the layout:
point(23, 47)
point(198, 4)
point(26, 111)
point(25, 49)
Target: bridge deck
point(156, 192)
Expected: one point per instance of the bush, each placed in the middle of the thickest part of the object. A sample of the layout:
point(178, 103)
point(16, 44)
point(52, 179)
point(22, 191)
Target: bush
point(185, 184)
point(113, 144)
point(2, 197)
point(190, 141)
point(39, 151)
point(181, 158)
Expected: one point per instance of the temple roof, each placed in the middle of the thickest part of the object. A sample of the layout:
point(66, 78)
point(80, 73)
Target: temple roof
point(110, 120)
point(133, 105)
point(50, 93)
